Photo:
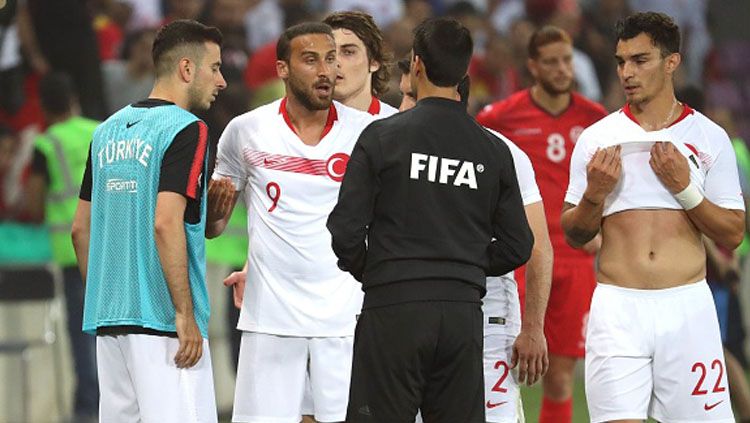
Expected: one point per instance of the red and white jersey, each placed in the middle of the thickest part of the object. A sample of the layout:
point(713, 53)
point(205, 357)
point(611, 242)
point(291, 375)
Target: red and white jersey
point(548, 140)
point(501, 299)
point(381, 110)
point(713, 166)
point(294, 286)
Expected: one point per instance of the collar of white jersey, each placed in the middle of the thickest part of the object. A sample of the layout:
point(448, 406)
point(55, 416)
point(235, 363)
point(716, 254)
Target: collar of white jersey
point(374, 108)
point(333, 116)
point(686, 111)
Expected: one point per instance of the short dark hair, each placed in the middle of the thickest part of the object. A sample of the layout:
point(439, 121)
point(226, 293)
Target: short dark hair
point(284, 45)
point(404, 65)
point(662, 30)
point(547, 34)
point(445, 47)
point(463, 90)
point(56, 93)
point(180, 33)
point(364, 27)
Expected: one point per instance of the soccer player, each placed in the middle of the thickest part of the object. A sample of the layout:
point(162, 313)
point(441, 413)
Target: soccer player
point(139, 239)
point(654, 178)
point(425, 193)
point(363, 71)
point(509, 343)
point(299, 309)
point(545, 122)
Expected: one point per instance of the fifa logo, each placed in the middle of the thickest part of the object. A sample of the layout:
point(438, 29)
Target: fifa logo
point(444, 171)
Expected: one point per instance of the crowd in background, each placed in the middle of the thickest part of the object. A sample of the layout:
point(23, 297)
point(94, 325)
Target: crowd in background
point(104, 48)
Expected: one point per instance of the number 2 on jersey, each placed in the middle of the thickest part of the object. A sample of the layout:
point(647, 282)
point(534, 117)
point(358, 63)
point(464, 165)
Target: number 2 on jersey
point(499, 384)
point(274, 193)
point(702, 367)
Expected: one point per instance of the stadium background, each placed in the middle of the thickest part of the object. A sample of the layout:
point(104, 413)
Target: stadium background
point(715, 71)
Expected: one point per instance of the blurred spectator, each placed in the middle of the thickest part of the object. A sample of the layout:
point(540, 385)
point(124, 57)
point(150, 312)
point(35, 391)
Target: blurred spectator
point(130, 79)
point(399, 36)
point(586, 78)
point(494, 74)
point(143, 13)
point(418, 10)
point(64, 149)
point(264, 22)
point(109, 32)
point(15, 202)
point(184, 9)
point(470, 17)
point(66, 38)
point(228, 16)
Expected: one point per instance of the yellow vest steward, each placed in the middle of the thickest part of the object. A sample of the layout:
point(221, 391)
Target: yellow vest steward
point(65, 146)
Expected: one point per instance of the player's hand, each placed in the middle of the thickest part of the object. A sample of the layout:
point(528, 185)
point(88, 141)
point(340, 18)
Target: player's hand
point(220, 198)
point(530, 356)
point(602, 173)
point(191, 341)
point(592, 247)
point(670, 166)
point(237, 281)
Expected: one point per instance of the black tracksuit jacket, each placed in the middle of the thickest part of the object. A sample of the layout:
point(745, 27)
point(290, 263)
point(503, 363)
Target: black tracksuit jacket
point(429, 207)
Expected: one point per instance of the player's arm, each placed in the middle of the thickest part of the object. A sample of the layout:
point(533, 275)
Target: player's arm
point(81, 230)
point(227, 182)
point(513, 239)
point(530, 347)
point(724, 226)
point(176, 204)
point(581, 222)
point(221, 201)
point(353, 213)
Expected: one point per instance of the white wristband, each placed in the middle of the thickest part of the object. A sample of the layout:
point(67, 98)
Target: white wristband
point(690, 197)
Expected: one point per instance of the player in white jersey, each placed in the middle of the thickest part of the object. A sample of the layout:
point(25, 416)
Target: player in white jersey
point(363, 63)
point(509, 343)
point(363, 71)
point(654, 178)
point(299, 308)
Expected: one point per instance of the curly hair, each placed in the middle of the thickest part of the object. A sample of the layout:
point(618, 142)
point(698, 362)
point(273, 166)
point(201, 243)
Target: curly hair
point(362, 25)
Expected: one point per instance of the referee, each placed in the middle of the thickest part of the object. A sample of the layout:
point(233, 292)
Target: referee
point(429, 207)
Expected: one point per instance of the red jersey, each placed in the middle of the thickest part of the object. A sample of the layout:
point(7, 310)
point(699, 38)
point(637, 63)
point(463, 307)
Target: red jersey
point(548, 141)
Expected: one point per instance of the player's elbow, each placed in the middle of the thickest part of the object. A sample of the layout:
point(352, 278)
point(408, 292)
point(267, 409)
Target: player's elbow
point(165, 226)
point(79, 233)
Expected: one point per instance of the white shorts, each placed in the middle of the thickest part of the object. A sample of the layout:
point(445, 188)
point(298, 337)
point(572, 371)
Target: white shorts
point(655, 353)
point(139, 382)
point(271, 377)
point(502, 324)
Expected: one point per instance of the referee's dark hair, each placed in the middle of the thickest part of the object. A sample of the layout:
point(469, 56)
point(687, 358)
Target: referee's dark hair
point(178, 39)
point(445, 47)
point(56, 94)
point(662, 30)
point(284, 45)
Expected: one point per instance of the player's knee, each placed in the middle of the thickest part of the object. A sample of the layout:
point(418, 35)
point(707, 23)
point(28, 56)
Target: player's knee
point(558, 384)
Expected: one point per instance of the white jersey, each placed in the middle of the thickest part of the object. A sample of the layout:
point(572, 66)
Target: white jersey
point(713, 167)
point(381, 110)
point(294, 287)
point(500, 305)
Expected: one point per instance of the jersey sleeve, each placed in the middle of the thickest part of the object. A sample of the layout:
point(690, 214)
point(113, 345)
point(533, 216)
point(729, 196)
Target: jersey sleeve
point(85, 192)
point(229, 162)
point(722, 185)
point(524, 172)
point(183, 162)
point(578, 161)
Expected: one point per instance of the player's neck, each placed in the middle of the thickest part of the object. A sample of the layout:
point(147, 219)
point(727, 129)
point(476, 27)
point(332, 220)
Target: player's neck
point(658, 113)
point(426, 89)
point(164, 90)
point(308, 124)
point(360, 99)
point(554, 104)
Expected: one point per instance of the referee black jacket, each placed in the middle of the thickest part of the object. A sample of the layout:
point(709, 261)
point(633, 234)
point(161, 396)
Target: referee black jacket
point(429, 207)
